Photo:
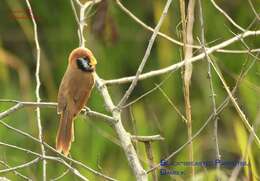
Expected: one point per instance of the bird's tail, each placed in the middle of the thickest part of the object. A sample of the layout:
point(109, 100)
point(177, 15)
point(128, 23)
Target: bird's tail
point(65, 134)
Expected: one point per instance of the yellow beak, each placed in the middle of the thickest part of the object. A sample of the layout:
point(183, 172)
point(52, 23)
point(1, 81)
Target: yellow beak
point(93, 60)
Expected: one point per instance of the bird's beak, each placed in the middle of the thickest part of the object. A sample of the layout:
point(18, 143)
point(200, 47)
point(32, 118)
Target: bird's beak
point(93, 61)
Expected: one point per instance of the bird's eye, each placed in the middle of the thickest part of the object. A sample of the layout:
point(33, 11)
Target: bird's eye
point(86, 58)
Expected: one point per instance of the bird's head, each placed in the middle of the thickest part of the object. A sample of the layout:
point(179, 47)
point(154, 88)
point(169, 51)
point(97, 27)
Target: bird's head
point(83, 59)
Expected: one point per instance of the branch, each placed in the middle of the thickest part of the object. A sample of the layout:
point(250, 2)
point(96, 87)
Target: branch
point(220, 108)
point(176, 66)
point(210, 118)
point(20, 166)
point(57, 159)
point(238, 109)
point(253, 9)
point(124, 137)
point(54, 150)
point(136, 19)
point(38, 84)
point(227, 16)
point(16, 172)
point(82, 16)
point(146, 56)
point(20, 105)
point(149, 153)
point(218, 156)
point(147, 138)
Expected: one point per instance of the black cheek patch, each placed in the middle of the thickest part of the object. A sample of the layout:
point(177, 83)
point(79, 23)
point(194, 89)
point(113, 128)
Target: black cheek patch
point(81, 66)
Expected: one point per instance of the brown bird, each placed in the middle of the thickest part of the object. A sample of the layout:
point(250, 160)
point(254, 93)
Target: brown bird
point(74, 91)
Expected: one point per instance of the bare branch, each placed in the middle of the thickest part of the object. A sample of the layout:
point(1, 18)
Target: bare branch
point(15, 172)
point(21, 105)
point(253, 9)
point(218, 156)
point(220, 108)
point(124, 137)
point(82, 16)
point(172, 104)
point(149, 153)
point(57, 159)
point(136, 19)
point(38, 84)
point(54, 150)
point(210, 118)
point(238, 109)
point(227, 16)
point(62, 175)
point(27, 164)
point(147, 138)
point(146, 56)
point(176, 66)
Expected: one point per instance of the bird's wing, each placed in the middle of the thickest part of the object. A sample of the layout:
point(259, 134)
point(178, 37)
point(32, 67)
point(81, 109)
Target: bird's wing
point(62, 98)
point(82, 93)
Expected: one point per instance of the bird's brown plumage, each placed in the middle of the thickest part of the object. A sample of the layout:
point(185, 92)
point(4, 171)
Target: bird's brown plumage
point(74, 91)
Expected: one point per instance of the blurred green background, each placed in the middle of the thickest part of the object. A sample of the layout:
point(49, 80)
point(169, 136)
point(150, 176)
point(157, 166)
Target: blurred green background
point(118, 44)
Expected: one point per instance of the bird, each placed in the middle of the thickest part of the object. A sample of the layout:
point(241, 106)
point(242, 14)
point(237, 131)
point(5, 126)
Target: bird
point(74, 91)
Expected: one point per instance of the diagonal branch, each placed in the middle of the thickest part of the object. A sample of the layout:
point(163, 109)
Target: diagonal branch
point(235, 104)
point(227, 16)
point(27, 164)
point(124, 137)
point(146, 56)
point(180, 64)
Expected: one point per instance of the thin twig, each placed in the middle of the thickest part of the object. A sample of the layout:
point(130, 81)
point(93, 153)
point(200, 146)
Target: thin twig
point(203, 42)
point(38, 84)
point(136, 19)
point(146, 56)
point(57, 159)
point(62, 175)
point(253, 9)
point(172, 104)
point(227, 16)
point(15, 171)
point(238, 109)
point(157, 86)
point(220, 108)
point(27, 164)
